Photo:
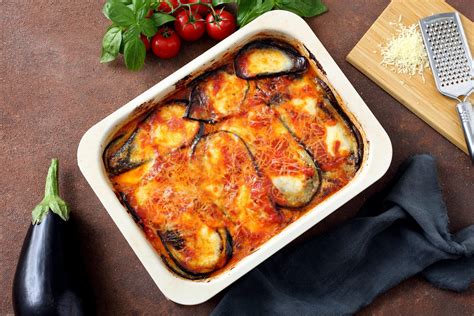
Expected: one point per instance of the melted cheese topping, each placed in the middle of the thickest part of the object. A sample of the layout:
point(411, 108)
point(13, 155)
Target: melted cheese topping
point(307, 104)
point(231, 182)
point(309, 115)
point(208, 195)
point(267, 61)
point(337, 141)
point(134, 176)
point(276, 153)
point(225, 93)
point(220, 94)
point(209, 244)
point(288, 184)
point(169, 130)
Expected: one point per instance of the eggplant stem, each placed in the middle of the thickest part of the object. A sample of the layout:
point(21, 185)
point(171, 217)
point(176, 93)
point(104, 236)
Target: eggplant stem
point(52, 187)
point(51, 201)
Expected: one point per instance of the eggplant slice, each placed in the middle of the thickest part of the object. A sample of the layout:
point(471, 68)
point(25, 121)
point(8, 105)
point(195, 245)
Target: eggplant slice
point(193, 232)
point(311, 115)
point(217, 95)
point(231, 181)
point(213, 246)
point(294, 175)
point(266, 58)
point(310, 111)
point(162, 131)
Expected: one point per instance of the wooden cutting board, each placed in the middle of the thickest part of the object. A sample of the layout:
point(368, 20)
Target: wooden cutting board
point(423, 99)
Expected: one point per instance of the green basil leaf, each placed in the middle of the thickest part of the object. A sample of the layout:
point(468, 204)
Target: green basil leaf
point(134, 54)
point(137, 4)
point(219, 2)
point(120, 14)
point(111, 44)
point(148, 27)
point(248, 10)
point(131, 34)
point(142, 12)
point(106, 9)
point(245, 5)
point(141, 8)
point(162, 18)
point(109, 3)
point(306, 8)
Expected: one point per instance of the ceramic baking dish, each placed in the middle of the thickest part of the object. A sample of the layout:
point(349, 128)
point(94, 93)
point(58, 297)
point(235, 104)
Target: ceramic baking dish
point(280, 24)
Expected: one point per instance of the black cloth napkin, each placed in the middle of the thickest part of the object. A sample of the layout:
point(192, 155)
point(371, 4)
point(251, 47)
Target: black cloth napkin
point(399, 233)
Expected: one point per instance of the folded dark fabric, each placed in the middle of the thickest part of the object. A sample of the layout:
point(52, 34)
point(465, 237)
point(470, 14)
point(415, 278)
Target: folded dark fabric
point(398, 234)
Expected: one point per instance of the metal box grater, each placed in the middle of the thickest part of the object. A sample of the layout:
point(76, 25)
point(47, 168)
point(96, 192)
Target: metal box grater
point(451, 64)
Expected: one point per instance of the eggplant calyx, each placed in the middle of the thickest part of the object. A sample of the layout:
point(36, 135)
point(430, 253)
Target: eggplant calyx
point(51, 201)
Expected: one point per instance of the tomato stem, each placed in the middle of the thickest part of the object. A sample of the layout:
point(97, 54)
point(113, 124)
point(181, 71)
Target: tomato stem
point(209, 5)
point(165, 32)
point(189, 5)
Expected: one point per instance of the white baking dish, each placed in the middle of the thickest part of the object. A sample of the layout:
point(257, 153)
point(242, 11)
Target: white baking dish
point(377, 157)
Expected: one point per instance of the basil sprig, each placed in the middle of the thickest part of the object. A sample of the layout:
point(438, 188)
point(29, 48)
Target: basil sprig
point(129, 21)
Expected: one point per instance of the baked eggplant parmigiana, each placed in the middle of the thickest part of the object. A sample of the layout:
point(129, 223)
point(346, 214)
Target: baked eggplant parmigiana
point(233, 157)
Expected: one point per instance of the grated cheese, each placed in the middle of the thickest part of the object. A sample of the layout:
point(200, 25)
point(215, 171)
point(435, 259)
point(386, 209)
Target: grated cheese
point(405, 53)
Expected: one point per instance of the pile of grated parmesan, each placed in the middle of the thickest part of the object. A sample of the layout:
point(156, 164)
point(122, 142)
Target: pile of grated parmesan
point(405, 53)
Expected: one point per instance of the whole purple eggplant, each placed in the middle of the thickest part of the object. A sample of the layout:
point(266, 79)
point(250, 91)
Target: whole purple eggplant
point(49, 279)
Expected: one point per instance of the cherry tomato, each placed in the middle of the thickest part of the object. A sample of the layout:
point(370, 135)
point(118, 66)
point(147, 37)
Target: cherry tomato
point(166, 43)
point(220, 25)
point(199, 8)
point(165, 7)
point(145, 41)
point(189, 25)
point(149, 14)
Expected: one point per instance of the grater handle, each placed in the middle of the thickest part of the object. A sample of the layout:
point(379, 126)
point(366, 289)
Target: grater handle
point(466, 115)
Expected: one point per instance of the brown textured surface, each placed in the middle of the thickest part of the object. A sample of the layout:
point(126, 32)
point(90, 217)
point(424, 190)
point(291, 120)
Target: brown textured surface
point(53, 89)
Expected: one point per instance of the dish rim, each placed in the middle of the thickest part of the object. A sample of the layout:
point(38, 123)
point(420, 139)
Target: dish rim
point(377, 158)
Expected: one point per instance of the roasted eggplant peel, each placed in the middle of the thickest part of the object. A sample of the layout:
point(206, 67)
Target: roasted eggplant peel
point(262, 140)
